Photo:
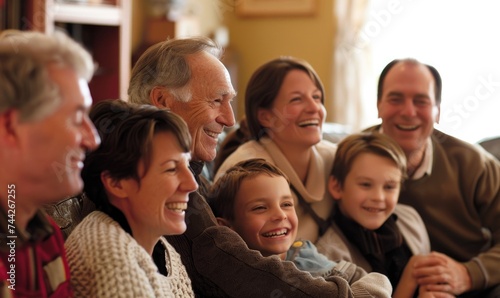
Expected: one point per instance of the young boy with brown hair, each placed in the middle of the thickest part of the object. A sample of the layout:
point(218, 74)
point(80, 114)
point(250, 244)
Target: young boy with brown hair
point(254, 199)
point(370, 227)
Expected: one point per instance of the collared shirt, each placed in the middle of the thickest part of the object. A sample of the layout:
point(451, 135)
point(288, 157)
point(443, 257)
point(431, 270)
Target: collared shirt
point(426, 164)
point(35, 258)
point(38, 228)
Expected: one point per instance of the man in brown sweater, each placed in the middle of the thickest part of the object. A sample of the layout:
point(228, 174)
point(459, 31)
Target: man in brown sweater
point(454, 185)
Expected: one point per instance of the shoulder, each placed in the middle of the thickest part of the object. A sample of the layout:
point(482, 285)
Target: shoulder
point(455, 146)
point(412, 228)
point(250, 149)
point(442, 139)
point(326, 149)
point(254, 148)
point(97, 232)
point(461, 153)
point(96, 220)
point(326, 145)
point(334, 245)
point(407, 212)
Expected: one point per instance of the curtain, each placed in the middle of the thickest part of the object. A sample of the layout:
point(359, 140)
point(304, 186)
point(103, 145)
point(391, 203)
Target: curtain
point(352, 66)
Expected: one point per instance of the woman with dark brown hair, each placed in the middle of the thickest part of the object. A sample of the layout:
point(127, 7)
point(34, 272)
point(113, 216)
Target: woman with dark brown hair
point(139, 179)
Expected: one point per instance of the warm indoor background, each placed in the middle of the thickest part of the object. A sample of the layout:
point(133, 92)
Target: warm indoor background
point(347, 41)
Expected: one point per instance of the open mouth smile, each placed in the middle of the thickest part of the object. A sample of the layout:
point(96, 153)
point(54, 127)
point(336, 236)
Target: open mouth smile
point(177, 207)
point(278, 233)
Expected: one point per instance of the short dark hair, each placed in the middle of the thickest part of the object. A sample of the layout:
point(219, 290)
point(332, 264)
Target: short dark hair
point(126, 132)
point(438, 84)
point(264, 86)
point(223, 193)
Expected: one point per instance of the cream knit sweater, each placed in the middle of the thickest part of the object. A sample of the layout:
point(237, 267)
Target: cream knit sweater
point(106, 261)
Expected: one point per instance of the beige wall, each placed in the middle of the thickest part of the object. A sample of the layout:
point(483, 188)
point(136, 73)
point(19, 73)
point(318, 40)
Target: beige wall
point(137, 27)
point(259, 39)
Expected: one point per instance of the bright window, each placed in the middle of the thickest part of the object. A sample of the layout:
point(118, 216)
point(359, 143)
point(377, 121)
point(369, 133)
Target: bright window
point(460, 38)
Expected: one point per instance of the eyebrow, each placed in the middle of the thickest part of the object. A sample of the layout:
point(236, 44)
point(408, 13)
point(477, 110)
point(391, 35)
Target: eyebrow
point(227, 93)
point(167, 161)
point(82, 108)
point(397, 93)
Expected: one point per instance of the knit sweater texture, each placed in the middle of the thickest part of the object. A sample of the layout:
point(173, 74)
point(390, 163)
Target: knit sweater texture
point(106, 261)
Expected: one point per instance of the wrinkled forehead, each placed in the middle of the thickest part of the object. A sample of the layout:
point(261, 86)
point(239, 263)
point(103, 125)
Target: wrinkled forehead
point(209, 75)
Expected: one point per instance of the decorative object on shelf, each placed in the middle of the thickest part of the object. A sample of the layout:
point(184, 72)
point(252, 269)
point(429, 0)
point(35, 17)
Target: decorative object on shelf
point(260, 8)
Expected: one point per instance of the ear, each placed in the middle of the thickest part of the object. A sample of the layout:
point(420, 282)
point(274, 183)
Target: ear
point(334, 188)
point(224, 222)
point(437, 112)
point(265, 117)
point(113, 186)
point(161, 97)
point(9, 121)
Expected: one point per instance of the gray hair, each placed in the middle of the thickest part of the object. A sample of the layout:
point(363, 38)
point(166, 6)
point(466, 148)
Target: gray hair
point(25, 84)
point(164, 64)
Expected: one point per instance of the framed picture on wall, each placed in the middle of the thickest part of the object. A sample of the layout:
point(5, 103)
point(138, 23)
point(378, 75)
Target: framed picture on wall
point(263, 8)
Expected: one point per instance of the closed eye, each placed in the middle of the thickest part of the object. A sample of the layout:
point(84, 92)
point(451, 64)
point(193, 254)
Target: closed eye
point(365, 184)
point(317, 97)
point(391, 186)
point(422, 101)
point(395, 100)
point(171, 170)
point(258, 208)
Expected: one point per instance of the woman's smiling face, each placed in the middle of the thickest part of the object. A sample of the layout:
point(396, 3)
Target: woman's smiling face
point(297, 114)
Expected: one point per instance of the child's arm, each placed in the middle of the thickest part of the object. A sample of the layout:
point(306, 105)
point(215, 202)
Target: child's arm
point(407, 283)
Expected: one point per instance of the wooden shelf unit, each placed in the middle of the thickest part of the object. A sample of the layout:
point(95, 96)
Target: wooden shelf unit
point(104, 29)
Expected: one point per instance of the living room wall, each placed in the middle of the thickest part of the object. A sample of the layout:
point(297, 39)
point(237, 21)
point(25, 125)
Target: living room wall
point(255, 40)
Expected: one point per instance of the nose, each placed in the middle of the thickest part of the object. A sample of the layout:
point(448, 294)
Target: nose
point(188, 182)
point(408, 108)
point(226, 116)
point(90, 137)
point(377, 195)
point(313, 104)
point(279, 214)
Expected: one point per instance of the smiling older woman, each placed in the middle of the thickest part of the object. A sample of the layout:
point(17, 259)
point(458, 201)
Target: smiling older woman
point(139, 181)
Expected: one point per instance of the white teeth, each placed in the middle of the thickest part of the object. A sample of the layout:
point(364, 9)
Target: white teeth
point(309, 122)
point(277, 233)
point(212, 134)
point(407, 127)
point(177, 207)
point(373, 210)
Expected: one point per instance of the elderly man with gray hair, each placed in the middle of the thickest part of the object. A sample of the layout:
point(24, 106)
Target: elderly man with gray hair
point(187, 77)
